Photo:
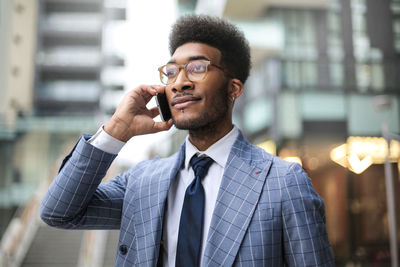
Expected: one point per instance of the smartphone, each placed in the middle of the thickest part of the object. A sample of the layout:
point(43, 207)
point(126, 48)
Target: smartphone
point(163, 107)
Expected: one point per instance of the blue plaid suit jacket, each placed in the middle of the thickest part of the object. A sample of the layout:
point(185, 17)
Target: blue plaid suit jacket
point(267, 211)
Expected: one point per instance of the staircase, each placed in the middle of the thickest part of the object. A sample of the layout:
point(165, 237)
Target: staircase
point(54, 247)
point(29, 242)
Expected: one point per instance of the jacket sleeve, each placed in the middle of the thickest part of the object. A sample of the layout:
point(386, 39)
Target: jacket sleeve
point(77, 199)
point(304, 231)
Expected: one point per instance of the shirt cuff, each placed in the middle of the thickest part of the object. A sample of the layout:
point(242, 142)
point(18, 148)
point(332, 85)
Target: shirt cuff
point(106, 142)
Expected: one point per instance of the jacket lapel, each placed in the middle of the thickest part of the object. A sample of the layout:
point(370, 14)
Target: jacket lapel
point(149, 231)
point(240, 189)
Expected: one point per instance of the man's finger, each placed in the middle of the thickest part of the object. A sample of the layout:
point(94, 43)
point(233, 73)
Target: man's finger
point(154, 112)
point(162, 126)
point(147, 92)
point(151, 89)
point(160, 88)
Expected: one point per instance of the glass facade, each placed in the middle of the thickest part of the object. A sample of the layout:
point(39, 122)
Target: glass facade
point(395, 7)
point(66, 59)
point(333, 64)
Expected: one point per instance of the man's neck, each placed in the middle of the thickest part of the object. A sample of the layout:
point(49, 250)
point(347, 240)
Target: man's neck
point(205, 137)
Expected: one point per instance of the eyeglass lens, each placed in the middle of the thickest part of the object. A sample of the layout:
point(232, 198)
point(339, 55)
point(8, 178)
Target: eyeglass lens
point(194, 70)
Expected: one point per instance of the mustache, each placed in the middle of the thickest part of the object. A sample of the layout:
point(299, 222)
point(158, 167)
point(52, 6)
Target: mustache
point(182, 94)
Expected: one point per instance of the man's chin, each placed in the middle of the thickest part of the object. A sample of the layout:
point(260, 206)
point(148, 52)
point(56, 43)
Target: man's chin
point(182, 125)
point(181, 121)
point(188, 123)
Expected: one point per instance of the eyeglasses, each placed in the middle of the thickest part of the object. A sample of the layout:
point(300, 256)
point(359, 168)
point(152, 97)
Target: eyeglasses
point(195, 70)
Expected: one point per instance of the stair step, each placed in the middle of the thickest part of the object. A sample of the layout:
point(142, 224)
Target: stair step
point(54, 247)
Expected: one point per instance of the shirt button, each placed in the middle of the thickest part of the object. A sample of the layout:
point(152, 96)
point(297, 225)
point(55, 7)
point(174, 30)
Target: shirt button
point(123, 249)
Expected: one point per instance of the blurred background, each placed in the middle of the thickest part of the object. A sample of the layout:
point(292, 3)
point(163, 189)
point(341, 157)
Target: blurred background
point(324, 91)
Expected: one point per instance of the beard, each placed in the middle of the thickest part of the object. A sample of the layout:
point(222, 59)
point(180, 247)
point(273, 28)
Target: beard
point(216, 111)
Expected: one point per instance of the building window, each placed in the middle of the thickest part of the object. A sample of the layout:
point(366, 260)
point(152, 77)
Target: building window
point(395, 6)
point(369, 69)
point(300, 34)
point(258, 115)
point(335, 45)
point(336, 74)
point(370, 77)
point(396, 34)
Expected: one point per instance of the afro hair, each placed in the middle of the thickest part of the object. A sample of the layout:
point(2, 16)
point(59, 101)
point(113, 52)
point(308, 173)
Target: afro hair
point(218, 33)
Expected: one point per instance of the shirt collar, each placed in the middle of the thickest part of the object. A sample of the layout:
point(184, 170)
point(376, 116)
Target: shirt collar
point(219, 151)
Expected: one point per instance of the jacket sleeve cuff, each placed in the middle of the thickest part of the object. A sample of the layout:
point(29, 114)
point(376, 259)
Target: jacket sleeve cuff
point(106, 142)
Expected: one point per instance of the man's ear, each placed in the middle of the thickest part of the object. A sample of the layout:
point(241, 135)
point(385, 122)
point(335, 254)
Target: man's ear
point(236, 88)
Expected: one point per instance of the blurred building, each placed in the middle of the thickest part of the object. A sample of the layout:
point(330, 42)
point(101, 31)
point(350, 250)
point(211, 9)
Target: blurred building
point(325, 80)
point(59, 77)
point(17, 50)
point(318, 67)
point(73, 58)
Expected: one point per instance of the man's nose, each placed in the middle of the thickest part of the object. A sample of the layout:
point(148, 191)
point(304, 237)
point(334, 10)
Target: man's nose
point(182, 82)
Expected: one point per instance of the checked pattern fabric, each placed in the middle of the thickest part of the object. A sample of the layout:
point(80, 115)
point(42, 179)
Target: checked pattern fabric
point(267, 212)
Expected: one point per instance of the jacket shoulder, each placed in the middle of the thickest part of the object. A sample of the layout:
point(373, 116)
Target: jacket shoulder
point(251, 154)
point(255, 155)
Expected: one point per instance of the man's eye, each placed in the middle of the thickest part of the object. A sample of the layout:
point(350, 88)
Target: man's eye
point(196, 67)
point(170, 72)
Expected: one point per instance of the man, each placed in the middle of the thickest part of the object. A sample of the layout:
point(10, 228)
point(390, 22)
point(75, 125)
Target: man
point(219, 201)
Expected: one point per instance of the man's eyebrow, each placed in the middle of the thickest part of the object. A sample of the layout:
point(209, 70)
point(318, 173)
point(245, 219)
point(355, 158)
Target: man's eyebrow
point(173, 61)
point(197, 57)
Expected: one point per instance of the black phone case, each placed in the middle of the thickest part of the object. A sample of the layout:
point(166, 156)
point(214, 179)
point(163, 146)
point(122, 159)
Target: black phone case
point(163, 107)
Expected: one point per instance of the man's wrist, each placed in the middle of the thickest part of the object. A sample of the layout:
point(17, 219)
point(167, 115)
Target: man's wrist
point(103, 141)
point(118, 130)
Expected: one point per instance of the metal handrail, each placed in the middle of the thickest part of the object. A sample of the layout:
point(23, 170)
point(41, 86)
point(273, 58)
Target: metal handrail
point(20, 232)
point(391, 203)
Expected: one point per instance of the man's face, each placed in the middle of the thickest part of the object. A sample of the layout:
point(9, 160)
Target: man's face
point(199, 104)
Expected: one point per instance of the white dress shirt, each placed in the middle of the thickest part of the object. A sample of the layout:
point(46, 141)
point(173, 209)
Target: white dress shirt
point(219, 152)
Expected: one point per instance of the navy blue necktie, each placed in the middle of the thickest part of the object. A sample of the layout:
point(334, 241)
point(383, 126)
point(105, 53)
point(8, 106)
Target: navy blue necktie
point(191, 224)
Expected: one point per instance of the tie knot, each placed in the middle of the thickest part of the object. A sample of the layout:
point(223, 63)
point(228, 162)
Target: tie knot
point(200, 165)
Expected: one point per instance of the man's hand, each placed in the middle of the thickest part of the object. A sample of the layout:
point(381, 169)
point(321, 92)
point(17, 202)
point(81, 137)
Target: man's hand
point(132, 117)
